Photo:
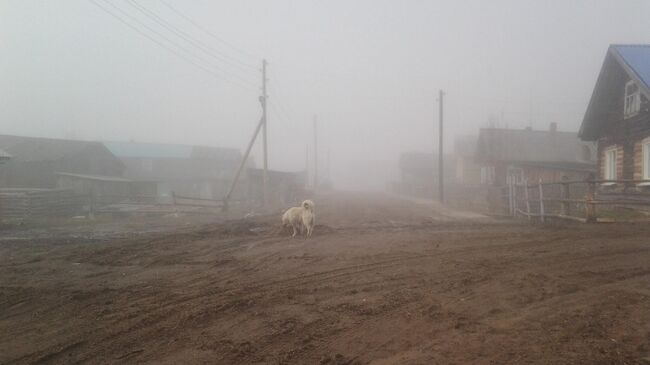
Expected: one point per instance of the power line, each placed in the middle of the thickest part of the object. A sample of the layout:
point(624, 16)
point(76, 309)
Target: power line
point(246, 84)
point(280, 107)
point(190, 39)
point(208, 32)
point(279, 113)
point(177, 45)
point(288, 110)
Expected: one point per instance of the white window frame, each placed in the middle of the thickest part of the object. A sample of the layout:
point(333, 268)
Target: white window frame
point(645, 158)
point(611, 155)
point(632, 103)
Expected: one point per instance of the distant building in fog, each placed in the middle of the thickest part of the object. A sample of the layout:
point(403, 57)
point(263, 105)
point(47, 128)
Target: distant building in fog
point(35, 162)
point(283, 187)
point(193, 171)
point(521, 154)
point(468, 172)
point(419, 174)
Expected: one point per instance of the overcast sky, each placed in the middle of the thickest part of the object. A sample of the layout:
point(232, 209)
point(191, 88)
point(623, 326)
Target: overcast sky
point(370, 70)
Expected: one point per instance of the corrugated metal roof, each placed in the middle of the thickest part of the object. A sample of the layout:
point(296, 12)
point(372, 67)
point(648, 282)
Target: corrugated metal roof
point(43, 149)
point(638, 58)
point(164, 150)
point(148, 150)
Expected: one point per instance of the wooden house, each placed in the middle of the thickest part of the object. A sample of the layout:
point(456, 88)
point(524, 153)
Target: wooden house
point(618, 114)
point(35, 162)
point(527, 154)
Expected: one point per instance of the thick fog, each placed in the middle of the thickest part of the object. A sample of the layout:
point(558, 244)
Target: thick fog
point(370, 70)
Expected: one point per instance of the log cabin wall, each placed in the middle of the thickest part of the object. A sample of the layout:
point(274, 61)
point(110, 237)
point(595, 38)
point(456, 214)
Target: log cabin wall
point(625, 133)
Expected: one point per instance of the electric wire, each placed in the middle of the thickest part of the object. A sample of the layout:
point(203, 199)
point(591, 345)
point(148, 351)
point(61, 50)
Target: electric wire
point(222, 57)
point(245, 83)
point(208, 32)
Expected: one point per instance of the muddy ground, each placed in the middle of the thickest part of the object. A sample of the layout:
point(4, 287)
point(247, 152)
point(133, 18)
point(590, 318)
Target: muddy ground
point(383, 281)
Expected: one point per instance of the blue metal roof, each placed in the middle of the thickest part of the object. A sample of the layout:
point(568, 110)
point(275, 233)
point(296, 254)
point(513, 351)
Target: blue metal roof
point(637, 58)
point(148, 150)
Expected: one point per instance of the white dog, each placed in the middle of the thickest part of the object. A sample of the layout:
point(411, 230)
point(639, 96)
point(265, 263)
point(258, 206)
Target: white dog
point(300, 218)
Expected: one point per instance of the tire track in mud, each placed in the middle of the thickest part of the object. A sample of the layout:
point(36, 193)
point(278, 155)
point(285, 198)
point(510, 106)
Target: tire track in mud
point(168, 308)
point(248, 292)
point(480, 320)
point(165, 311)
point(154, 322)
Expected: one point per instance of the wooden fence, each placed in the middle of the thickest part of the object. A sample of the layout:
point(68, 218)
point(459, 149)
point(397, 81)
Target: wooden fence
point(24, 204)
point(584, 201)
point(39, 203)
point(189, 201)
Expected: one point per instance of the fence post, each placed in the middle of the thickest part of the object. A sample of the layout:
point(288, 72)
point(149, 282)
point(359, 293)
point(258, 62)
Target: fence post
point(564, 194)
point(514, 198)
point(174, 204)
point(590, 207)
point(527, 200)
point(91, 206)
point(509, 195)
point(541, 201)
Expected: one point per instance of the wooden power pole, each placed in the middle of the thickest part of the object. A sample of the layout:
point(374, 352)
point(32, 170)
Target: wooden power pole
point(265, 178)
point(441, 176)
point(261, 125)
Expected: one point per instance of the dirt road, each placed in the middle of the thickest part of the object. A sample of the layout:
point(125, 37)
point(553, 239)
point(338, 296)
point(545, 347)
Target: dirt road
point(383, 281)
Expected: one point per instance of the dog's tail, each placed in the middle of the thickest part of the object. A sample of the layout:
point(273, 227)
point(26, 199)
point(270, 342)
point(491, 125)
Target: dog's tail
point(285, 218)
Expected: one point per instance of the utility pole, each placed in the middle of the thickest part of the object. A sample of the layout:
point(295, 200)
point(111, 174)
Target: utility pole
point(242, 164)
point(263, 98)
point(441, 188)
point(315, 152)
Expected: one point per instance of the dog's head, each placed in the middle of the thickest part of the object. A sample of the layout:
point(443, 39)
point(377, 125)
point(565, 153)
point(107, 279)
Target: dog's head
point(308, 204)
